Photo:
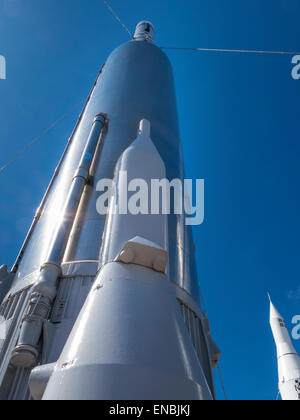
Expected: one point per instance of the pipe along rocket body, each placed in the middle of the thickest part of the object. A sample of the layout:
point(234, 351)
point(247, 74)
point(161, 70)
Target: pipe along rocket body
point(288, 359)
point(108, 306)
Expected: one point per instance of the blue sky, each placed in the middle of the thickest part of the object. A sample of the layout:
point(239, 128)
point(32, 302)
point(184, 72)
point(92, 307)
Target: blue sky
point(239, 123)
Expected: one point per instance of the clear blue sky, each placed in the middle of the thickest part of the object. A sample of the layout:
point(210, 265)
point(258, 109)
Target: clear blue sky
point(239, 117)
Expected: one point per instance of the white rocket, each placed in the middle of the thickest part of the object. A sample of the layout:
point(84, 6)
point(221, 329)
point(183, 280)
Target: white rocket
point(288, 359)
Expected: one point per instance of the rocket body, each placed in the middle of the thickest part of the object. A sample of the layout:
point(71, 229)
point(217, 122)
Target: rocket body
point(105, 265)
point(288, 359)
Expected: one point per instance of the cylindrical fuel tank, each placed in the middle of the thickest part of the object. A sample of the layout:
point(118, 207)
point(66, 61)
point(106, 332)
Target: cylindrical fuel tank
point(136, 83)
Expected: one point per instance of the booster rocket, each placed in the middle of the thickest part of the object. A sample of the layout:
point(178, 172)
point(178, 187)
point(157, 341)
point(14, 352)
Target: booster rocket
point(288, 359)
point(107, 306)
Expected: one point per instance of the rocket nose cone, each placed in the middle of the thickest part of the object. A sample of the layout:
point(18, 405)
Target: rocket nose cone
point(144, 31)
point(274, 314)
point(145, 128)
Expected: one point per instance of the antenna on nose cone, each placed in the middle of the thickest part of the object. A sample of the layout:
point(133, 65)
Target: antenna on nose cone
point(145, 128)
point(144, 31)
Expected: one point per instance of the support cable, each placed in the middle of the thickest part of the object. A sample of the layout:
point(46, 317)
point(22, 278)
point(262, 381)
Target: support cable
point(230, 51)
point(42, 134)
point(117, 18)
point(222, 382)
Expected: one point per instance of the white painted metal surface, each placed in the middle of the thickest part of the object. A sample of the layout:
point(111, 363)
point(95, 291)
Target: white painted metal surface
point(140, 160)
point(288, 359)
point(129, 343)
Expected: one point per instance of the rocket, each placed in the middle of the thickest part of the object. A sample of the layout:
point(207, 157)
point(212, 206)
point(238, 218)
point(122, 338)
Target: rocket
point(106, 305)
point(288, 359)
point(120, 348)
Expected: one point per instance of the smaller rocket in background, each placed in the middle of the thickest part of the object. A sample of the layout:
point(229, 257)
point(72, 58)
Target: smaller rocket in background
point(288, 359)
